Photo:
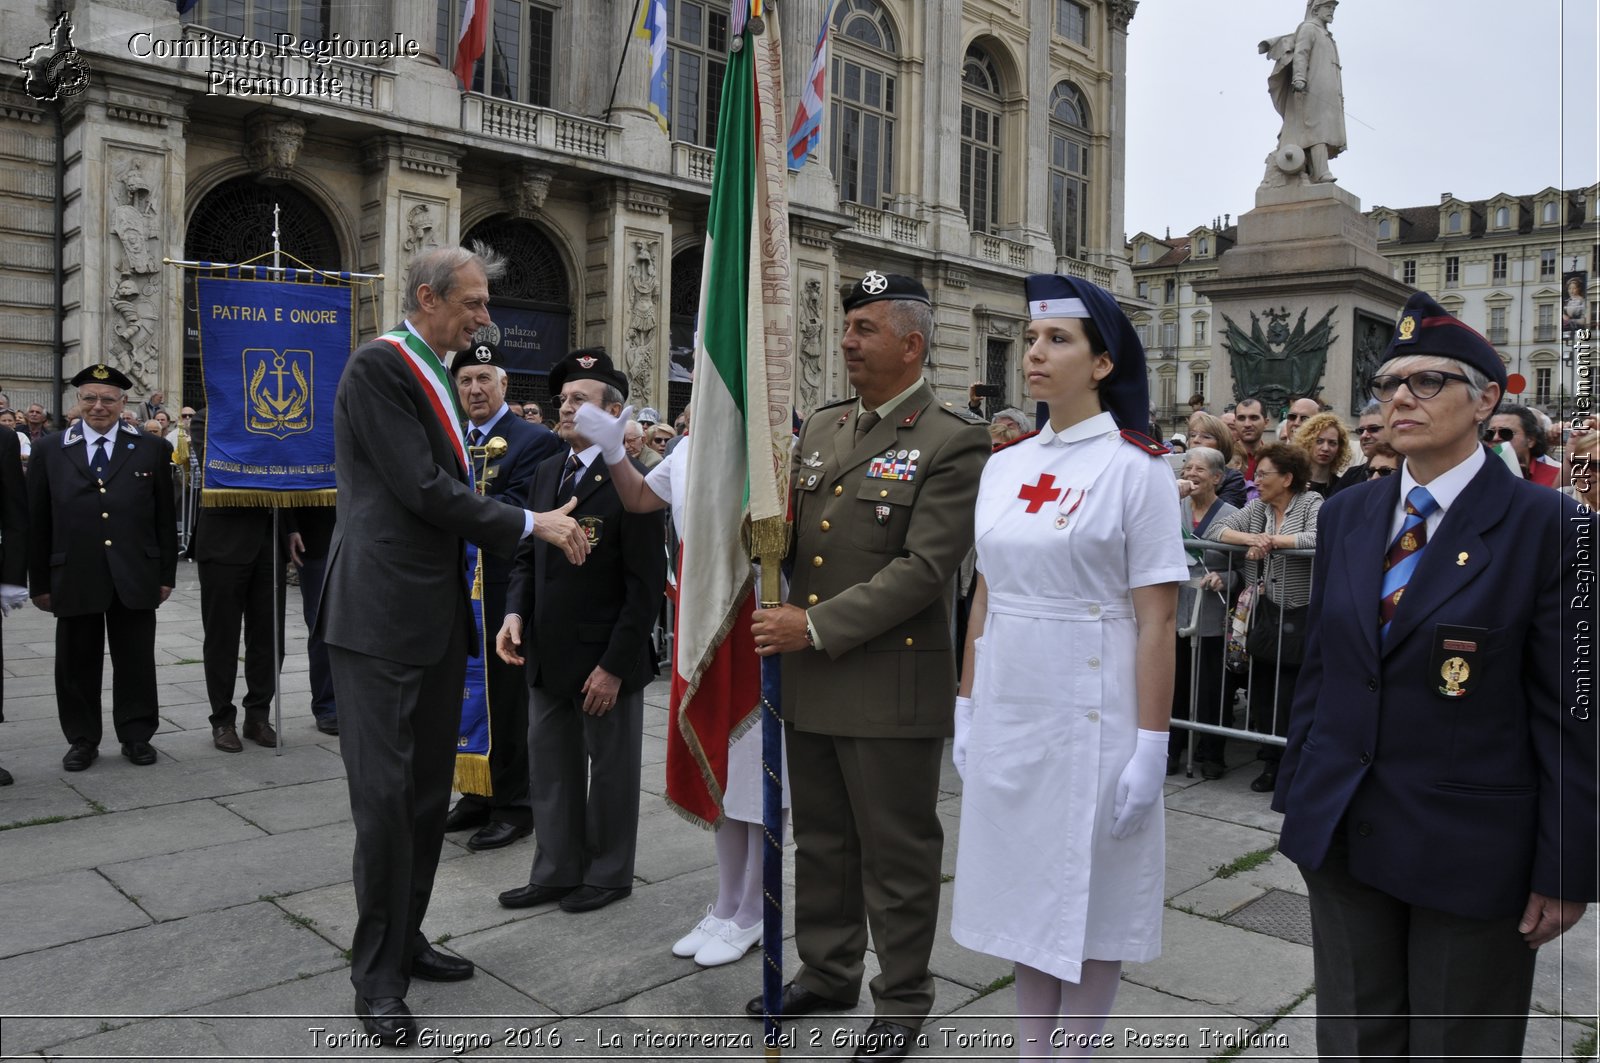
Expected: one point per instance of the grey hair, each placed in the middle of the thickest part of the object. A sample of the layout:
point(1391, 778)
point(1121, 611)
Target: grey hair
point(610, 396)
point(1011, 413)
point(1477, 379)
point(1373, 406)
point(1211, 456)
point(438, 267)
point(912, 315)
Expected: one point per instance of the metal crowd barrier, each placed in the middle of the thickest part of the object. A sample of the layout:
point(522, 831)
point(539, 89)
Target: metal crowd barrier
point(1209, 674)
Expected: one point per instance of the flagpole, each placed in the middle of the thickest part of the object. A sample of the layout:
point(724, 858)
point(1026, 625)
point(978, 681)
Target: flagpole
point(627, 42)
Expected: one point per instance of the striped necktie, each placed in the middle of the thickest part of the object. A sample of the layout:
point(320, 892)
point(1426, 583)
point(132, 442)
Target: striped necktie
point(475, 438)
point(1404, 554)
point(569, 481)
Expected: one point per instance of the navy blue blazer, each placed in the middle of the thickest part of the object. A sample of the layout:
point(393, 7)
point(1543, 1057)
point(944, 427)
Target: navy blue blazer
point(527, 444)
point(1457, 791)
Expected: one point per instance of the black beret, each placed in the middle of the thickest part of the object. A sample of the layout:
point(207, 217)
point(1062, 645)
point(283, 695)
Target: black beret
point(587, 363)
point(477, 354)
point(101, 374)
point(1427, 328)
point(876, 286)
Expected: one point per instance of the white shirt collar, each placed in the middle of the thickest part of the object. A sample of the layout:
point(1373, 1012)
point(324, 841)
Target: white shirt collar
point(413, 330)
point(1094, 427)
point(586, 455)
point(91, 437)
point(486, 426)
point(1447, 485)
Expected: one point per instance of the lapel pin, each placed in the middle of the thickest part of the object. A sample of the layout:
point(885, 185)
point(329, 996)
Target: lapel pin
point(596, 477)
point(1461, 558)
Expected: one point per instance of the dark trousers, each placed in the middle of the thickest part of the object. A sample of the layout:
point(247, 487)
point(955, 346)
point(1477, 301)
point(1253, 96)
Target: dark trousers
point(230, 594)
point(1271, 696)
point(1398, 981)
point(868, 842)
point(585, 789)
point(318, 672)
point(80, 662)
point(397, 734)
point(508, 724)
point(1198, 683)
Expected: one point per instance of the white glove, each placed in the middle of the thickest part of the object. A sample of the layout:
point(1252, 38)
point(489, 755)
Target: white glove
point(1139, 788)
point(12, 597)
point(958, 748)
point(604, 430)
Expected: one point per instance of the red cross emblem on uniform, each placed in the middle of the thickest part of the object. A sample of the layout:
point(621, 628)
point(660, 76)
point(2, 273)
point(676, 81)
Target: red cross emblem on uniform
point(1043, 306)
point(1036, 495)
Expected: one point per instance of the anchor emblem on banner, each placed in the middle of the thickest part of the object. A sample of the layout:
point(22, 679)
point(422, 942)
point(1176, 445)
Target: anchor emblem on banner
point(278, 397)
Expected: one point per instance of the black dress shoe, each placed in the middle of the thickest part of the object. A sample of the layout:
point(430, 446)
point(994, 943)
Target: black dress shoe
point(797, 1000)
point(590, 898)
point(1212, 769)
point(79, 757)
point(467, 815)
point(328, 725)
point(530, 895)
point(431, 965)
point(387, 1019)
point(885, 1040)
point(5, 778)
point(497, 836)
point(1266, 781)
point(262, 734)
point(140, 753)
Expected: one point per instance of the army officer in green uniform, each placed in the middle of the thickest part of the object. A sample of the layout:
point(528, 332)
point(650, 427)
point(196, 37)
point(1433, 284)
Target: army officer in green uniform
point(884, 486)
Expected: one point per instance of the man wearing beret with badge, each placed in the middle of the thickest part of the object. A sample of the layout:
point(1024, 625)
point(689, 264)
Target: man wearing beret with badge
point(103, 557)
point(1439, 784)
point(397, 619)
point(884, 486)
point(480, 378)
point(584, 635)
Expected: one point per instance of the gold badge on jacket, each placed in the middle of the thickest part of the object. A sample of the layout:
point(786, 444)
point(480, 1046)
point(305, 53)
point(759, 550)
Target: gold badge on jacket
point(1458, 660)
point(592, 526)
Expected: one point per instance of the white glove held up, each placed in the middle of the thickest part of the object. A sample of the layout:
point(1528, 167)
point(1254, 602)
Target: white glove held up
point(604, 430)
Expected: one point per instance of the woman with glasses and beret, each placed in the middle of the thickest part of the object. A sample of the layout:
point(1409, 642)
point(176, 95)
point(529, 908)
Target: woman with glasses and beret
point(1439, 785)
point(1061, 729)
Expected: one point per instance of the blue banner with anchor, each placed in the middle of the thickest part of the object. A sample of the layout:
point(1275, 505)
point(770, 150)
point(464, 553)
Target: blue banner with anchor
point(271, 354)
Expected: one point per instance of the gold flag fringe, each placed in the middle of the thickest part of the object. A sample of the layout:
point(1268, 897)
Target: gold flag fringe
point(237, 496)
point(472, 774)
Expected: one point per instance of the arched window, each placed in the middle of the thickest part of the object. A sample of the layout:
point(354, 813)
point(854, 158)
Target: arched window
point(1455, 221)
point(1548, 216)
point(1385, 229)
point(531, 305)
point(980, 140)
point(1203, 247)
point(865, 101)
point(1502, 217)
point(1069, 169)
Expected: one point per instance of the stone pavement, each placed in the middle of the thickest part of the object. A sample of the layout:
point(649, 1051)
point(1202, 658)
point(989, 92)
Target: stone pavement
point(201, 908)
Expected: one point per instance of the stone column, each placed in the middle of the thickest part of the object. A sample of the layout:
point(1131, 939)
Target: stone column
point(606, 34)
point(942, 49)
point(1028, 186)
point(411, 202)
point(628, 263)
point(1110, 252)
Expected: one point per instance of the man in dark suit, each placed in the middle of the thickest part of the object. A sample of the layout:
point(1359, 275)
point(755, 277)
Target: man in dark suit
point(308, 530)
point(241, 582)
point(869, 680)
point(13, 545)
point(503, 817)
point(103, 557)
point(1439, 785)
point(587, 637)
point(396, 616)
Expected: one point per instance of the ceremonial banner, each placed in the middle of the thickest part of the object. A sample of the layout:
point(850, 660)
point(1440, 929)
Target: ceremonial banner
point(472, 741)
point(741, 416)
point(271, 354)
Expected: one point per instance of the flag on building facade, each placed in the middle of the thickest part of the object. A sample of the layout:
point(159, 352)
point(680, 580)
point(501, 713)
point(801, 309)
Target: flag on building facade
point(740, 418)
point(471, 41)
point(653, 28)
point(807, 129)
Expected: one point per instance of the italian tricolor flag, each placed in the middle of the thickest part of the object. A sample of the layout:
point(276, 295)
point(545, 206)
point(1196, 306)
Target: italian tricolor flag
point(740, 416)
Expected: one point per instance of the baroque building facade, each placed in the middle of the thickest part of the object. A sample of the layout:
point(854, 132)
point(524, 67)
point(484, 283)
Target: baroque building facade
point(967, 143)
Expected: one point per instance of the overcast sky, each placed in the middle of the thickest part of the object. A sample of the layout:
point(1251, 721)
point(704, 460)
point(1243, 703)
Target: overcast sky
point(1473, 97)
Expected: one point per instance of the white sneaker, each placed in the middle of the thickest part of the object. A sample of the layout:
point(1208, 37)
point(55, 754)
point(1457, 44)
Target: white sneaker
point(703, 931)
point(729, 943)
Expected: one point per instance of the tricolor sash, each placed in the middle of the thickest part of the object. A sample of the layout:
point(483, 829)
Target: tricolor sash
point(426, 366)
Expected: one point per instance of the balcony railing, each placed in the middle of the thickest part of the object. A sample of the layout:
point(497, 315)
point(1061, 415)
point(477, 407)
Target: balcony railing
point(887, 225)
point(692, 162)
point(1000, 250)
point(1072, 267)
point(1499, 336)
point(360, 85)
point(523, 123)
point(1544, 333)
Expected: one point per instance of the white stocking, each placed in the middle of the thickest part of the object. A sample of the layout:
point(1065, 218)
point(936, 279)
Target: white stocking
point(1086, 1005)
point(750, 906)
point(1038, 1006)
point(732, 842)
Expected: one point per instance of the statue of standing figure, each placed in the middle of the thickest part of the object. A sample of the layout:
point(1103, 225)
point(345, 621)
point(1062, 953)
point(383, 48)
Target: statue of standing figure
point(1308, 91)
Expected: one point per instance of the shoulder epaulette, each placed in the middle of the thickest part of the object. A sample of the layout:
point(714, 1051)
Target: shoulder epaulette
point(1144, 443)
point(962, 412)
point(998, 447)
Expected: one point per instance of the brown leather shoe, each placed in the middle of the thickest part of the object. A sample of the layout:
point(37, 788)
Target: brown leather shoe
point(261, 734)
point(226, 739)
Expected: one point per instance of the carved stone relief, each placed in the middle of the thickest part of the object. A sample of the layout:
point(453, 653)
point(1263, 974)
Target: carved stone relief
point(135, 286)
point(644, 293)
point(524, 190)
point(421, 222)
point(273, 145)
point(811, 329)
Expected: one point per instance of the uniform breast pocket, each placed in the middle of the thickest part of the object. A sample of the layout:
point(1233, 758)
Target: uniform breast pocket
point(883, 513)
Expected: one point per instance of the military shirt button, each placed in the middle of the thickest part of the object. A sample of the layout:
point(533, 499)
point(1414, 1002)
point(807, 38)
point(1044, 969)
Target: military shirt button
point(909, 642)
point(811, 599)
point(1366, 758)
point(108, 542)
point(1092, 715)
point(816, 562)
point(838, 489)
point(826, 525)
point(1364, 829)
point(1094, 662)
point(1094, 610)
point(105, 516)
point(1372, 684)
point(102, 490)
point(883, 494)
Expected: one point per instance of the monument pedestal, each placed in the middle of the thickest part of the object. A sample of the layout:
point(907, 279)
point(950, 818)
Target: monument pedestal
point(1304, 303)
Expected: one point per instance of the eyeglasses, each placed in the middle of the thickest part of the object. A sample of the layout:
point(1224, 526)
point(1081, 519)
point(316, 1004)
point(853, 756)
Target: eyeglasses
point(1368, 429)
point(99, 400)
point(1423, 385)
point(1499, 435)
point(1381, 470)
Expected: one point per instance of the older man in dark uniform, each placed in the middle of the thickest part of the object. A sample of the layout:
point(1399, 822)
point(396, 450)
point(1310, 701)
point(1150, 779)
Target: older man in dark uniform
point(104, 556)
point(503, 816)
point(397, 619)
point(884, 487)
point(586, 634)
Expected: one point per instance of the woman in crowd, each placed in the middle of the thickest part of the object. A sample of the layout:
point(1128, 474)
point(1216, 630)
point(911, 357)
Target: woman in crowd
point(1061, 729)
point(1284, 517)
point(1327, 441)
point(1582, 453)
point(1381, 461)
point(1199, 678)
point(1209, 430)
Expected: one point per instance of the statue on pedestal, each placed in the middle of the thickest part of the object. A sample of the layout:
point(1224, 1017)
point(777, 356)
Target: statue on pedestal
point(1308, 91)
